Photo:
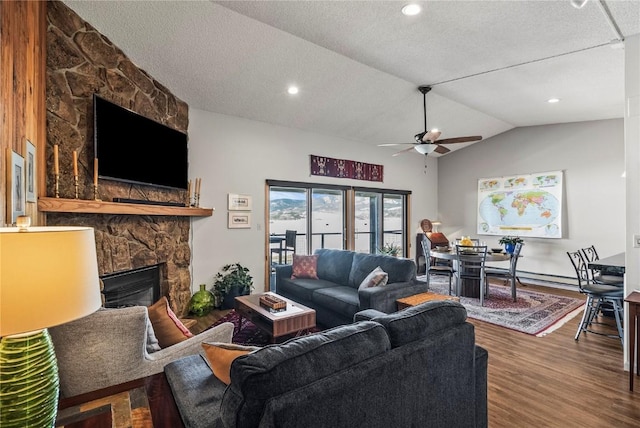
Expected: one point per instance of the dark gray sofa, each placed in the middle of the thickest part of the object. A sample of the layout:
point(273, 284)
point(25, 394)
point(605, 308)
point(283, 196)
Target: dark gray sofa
point(418, 367)
point(335, 295)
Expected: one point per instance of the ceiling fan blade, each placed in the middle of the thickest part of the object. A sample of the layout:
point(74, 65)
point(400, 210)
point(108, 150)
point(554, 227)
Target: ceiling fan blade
point(395, 144)
point(402, 151)
point(460, 140)
point(441, 149)
point(431, 136)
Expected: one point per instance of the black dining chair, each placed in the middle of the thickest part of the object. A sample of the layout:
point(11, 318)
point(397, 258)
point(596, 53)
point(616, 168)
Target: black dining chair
point(507, 274)
point(471, 266)
point(597, 295)
point(288, 246)
point(433, 269)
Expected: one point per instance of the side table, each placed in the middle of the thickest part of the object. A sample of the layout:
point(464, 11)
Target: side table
point(147, 402)
point(633, 299)
point(416, 299)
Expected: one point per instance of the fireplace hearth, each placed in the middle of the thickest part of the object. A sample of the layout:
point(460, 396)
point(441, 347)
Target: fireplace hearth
point(137, 287)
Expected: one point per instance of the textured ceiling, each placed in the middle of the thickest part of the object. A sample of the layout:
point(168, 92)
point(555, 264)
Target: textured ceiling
point(492, 64)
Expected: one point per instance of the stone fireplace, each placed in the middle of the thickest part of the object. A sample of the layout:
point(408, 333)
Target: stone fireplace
point(80, 62)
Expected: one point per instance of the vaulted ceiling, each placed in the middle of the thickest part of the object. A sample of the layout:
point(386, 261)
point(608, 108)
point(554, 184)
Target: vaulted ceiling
point(492, 64)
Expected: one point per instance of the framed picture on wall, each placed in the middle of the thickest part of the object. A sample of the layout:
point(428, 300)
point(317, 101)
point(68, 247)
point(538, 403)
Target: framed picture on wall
point(239, 202)
point(30, 172)
point(15, 181)
point(239, 220)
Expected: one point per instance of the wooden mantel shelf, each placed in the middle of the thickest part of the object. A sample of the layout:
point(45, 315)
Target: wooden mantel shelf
point(60, 205)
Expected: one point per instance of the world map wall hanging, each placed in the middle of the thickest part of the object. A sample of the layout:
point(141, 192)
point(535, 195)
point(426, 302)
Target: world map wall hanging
point(342, 168)
point(521, 205)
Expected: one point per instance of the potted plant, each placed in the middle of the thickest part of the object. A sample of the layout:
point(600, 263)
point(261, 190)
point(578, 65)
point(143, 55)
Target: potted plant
point(232, 281)
point(510, 242)
point(390, 250)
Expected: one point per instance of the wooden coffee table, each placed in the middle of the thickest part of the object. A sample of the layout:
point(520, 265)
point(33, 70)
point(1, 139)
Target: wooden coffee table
point(416, 299)
point(279, 324)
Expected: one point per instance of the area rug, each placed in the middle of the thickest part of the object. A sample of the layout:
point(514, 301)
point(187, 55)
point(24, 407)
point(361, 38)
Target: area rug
point(247, 333)
point(533, 312)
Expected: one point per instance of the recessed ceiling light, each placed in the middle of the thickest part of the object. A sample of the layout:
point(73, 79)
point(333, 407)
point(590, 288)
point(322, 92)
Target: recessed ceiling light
point(411, 9)
point(553, 100)
point(578, 4)
point(292, 90)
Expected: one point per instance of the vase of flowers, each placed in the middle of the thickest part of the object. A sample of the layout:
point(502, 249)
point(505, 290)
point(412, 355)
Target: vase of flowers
point(510, 242)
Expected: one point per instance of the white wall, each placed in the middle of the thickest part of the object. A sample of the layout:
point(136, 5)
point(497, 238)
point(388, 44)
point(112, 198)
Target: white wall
point(235, 155)
point(591, 154)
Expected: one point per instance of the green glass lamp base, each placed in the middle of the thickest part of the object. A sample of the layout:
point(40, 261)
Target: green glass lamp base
point(28, 381)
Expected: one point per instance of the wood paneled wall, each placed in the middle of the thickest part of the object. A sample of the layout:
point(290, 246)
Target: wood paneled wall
point(22, 92)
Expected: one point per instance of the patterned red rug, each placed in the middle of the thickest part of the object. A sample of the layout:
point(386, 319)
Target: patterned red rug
point(246, 332)
point(532, 313)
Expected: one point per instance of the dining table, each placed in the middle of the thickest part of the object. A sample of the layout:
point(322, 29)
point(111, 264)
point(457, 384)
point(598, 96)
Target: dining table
point(469, 287)
point(612, 265)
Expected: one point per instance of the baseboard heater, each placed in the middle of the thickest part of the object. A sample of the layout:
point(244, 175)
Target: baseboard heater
point(144, 202)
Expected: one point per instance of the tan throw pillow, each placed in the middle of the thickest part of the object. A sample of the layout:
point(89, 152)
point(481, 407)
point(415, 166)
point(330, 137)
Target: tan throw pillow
point(166, 325)
point(219, 357)
point(305, 267)
point(377, 278)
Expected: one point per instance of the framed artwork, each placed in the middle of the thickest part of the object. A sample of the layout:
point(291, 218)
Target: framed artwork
point(15, 181)
point(239, 202)
point(30, 171)
point(239, 220)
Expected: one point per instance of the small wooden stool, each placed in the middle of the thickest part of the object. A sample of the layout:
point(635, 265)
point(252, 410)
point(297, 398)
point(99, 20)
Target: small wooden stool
point(421, 298)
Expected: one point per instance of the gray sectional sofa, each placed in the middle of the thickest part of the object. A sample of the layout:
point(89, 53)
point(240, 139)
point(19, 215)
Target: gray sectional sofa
point(335, 295)
point(418, 367)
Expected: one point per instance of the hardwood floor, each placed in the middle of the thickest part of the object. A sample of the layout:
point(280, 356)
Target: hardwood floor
point(551, 381)
point(555, 381)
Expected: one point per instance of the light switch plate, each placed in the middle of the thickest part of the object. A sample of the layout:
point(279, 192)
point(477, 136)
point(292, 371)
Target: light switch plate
point(636, 241)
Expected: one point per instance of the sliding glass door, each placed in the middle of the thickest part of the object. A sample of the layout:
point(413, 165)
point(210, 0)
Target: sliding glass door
point(380, 222)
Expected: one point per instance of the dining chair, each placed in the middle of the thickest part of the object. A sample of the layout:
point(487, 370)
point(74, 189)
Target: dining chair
point(600, 276)
point(597, 295)
point(433, 269)
point(507, 274)
point(288, 247)
point(471, 266)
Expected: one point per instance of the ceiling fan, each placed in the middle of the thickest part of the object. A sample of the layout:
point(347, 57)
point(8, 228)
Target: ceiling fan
point(427, 141)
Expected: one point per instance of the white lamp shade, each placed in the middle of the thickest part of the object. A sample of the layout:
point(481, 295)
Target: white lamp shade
point(48, 276)
point(425, 149)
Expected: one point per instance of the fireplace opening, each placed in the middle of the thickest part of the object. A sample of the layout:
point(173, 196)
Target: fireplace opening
point(137, 287)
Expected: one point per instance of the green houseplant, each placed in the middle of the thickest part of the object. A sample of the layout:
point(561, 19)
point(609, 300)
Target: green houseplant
point(232, 281)
point(510, 242)
point(390, 250)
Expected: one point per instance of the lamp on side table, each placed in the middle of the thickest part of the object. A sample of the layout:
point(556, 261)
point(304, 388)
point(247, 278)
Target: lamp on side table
point(48, 276)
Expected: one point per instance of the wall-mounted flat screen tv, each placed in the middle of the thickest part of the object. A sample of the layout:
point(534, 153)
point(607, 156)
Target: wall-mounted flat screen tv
point(135, 149)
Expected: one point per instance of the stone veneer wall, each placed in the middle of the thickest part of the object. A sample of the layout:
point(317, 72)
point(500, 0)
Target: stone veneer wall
point(81, 62)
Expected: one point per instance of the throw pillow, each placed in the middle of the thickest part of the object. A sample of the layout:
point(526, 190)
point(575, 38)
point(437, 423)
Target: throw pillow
point(305, 267)
point(152, 341)
point(166, 325)
point(377, 278)
point(219, 357)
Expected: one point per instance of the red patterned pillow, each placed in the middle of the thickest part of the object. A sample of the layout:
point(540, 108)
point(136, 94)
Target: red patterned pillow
point(305, 267)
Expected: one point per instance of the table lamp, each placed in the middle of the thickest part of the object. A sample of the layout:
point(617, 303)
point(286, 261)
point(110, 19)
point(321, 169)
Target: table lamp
point(48, 276)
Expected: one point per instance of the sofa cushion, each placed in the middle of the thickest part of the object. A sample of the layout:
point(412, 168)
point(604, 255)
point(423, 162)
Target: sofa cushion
point(197, 394)
point(377, 278)
point(276, 369)
point(399, 270)
point(342, 299)
point(305, 267)
point(421, 321)
point(301, 288)
point(334, 265)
